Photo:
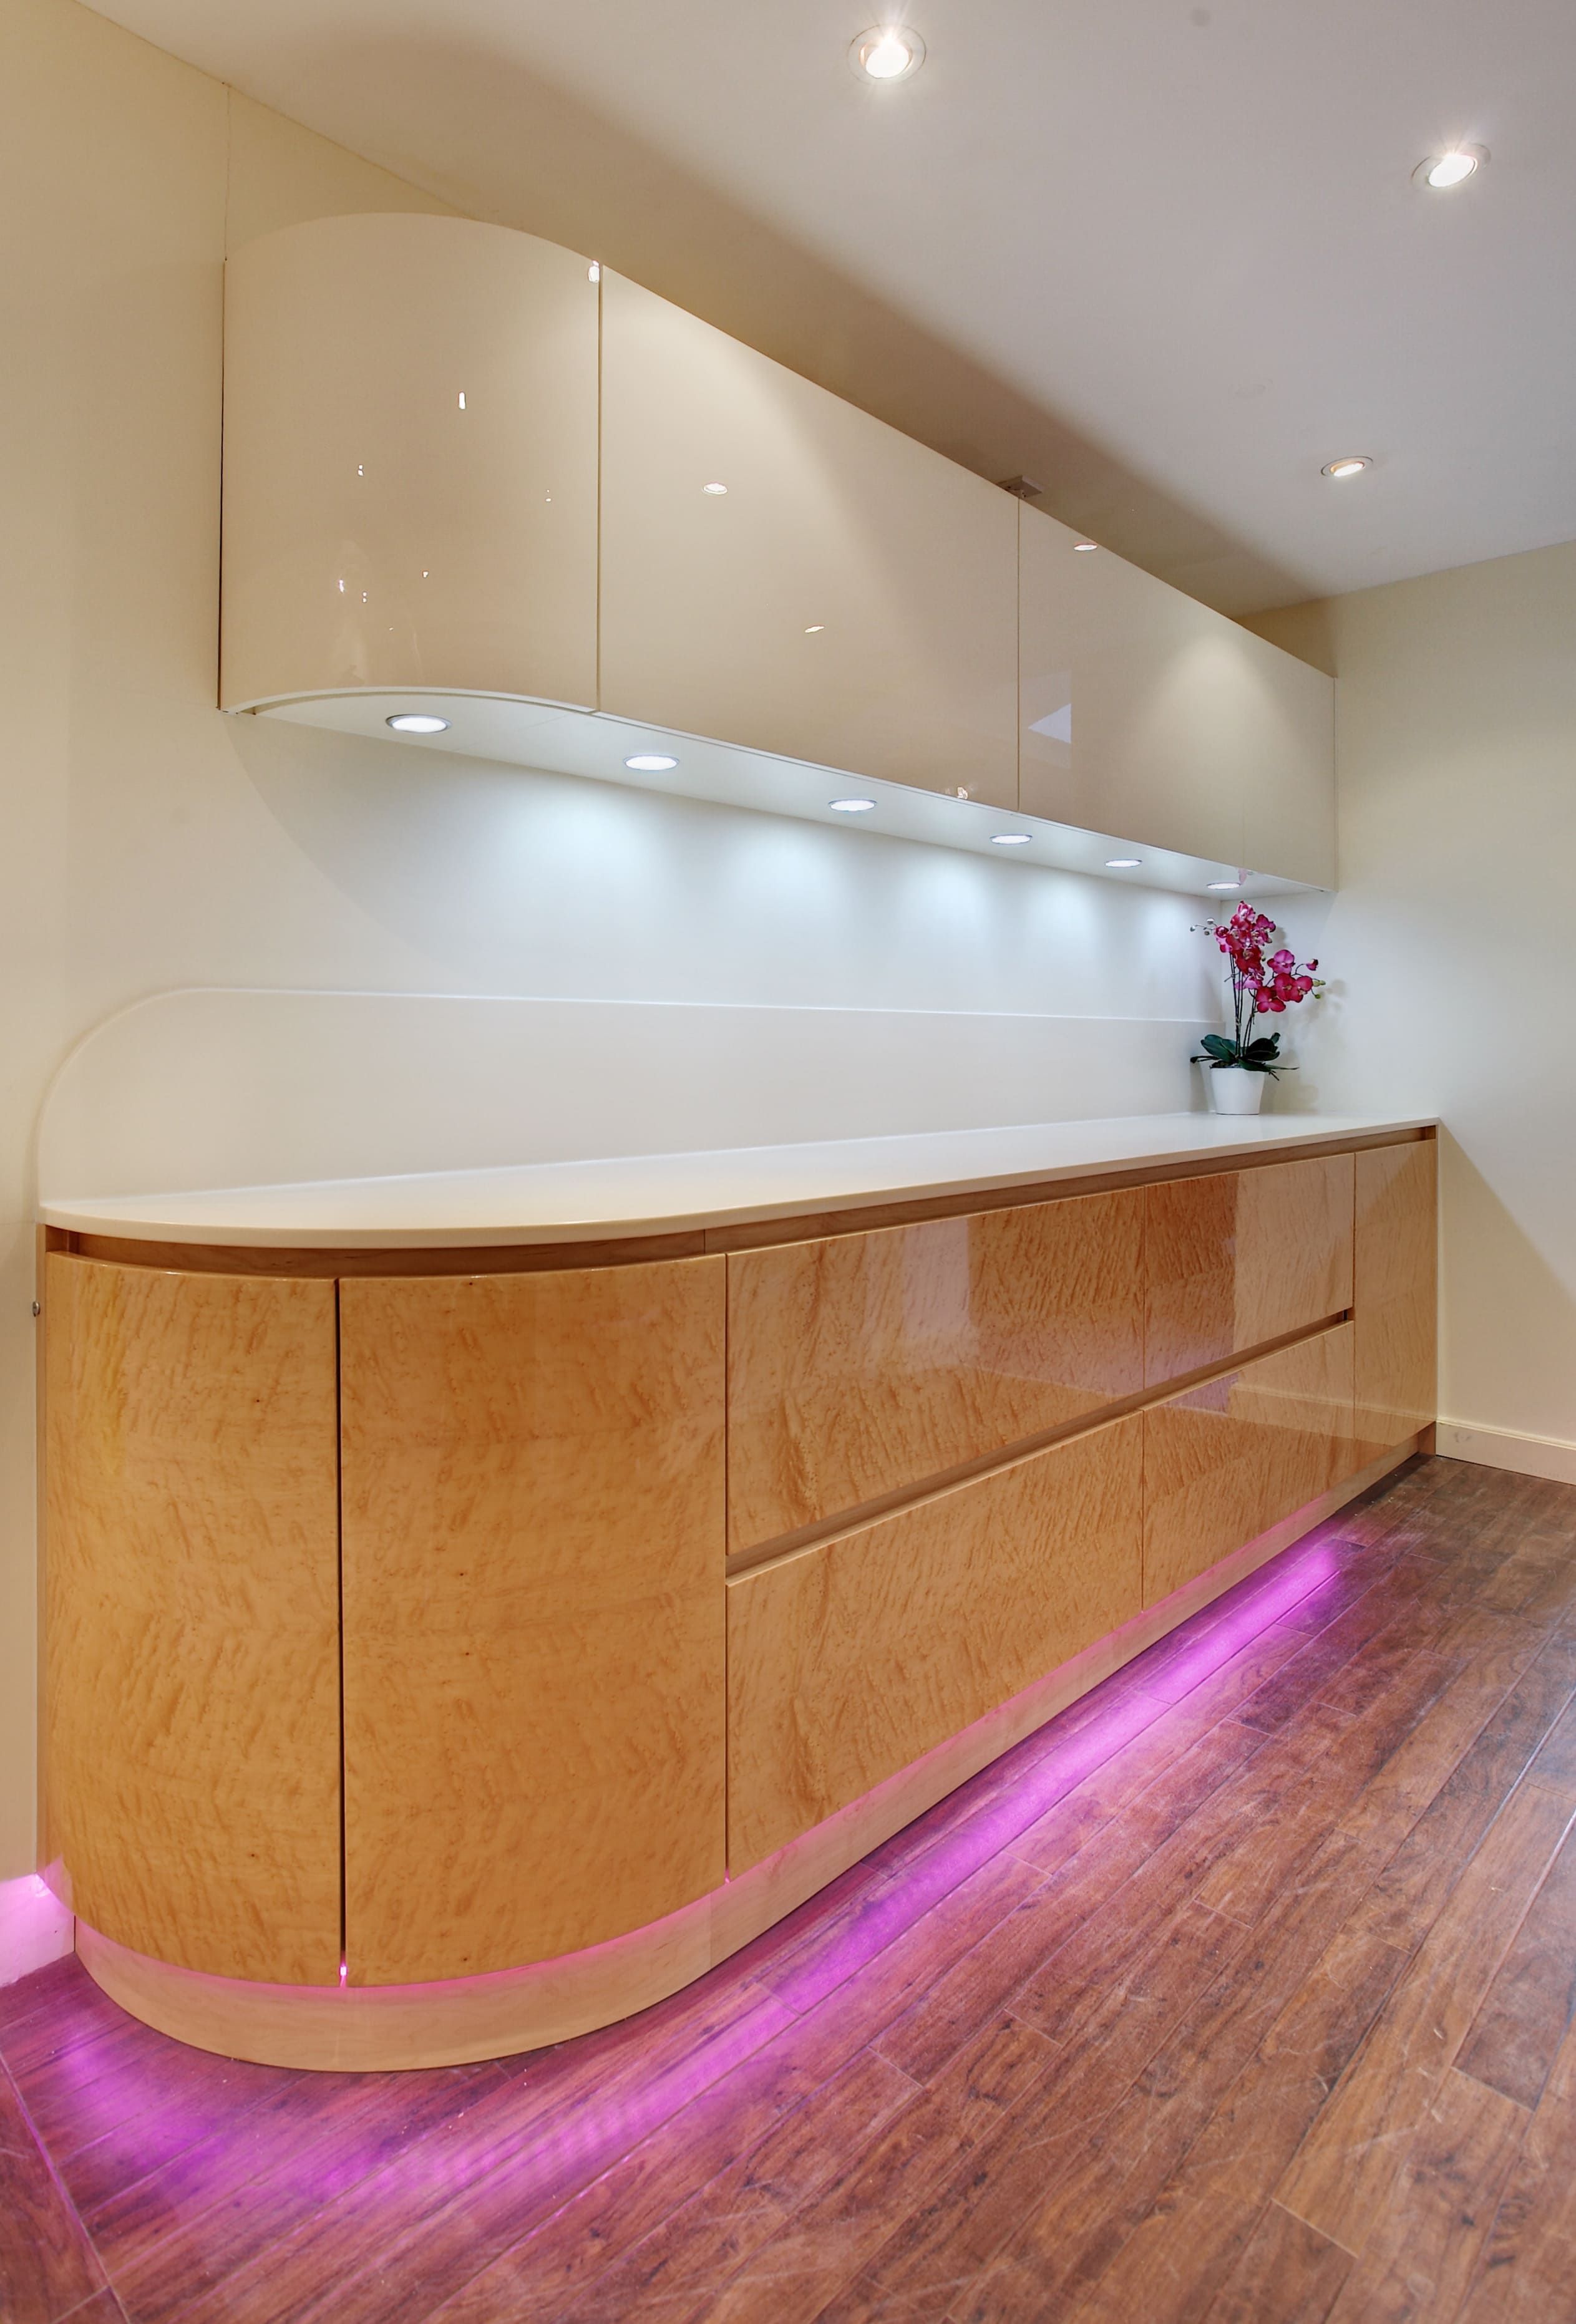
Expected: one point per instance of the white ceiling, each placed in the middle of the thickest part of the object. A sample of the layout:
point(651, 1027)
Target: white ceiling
point(1167, 257)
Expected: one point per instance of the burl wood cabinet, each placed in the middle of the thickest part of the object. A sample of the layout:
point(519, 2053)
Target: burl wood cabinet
point(444, 1658)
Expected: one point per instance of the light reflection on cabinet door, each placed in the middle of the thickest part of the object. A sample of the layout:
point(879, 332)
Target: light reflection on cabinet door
point(1150, 716)
point(781, 570)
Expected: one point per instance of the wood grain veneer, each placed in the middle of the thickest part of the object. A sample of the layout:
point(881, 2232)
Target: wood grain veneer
point(848, 1660)
point(1226, 1460)
point(1243, 1257)
point(1396, 1294)
point(534, 1613)
point(860, 1364)
point(192, 1744)
point(382, 2029)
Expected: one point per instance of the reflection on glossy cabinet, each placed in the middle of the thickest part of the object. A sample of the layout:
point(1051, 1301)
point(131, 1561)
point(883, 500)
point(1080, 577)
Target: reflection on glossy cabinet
point(1225, 1462)
point(781, 570)
point(192, 1723)
point(410, 461)
point(533, 1611)
point(848, 1660)
point(1151, 717)
point(864, 1363)
point(1397, 1294)
point(1244, 1256)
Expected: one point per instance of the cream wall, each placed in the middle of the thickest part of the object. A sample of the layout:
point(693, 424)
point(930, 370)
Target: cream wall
point(1450, 942)
point(150, 842)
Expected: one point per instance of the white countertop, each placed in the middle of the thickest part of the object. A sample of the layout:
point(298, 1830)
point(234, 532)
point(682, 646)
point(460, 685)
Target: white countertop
point(670, 1193)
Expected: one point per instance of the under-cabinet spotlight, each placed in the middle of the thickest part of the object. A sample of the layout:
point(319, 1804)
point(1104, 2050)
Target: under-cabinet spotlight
point(650, 762)
point(594, 272)
point(1011, 838)
point(887, 52)
point(1224, 887)
point(1352, 465)
point(1442, 170)
point(417, 722)
point(1123, 862)
point(1083, 548)
point(850, 806)
point(716, 491)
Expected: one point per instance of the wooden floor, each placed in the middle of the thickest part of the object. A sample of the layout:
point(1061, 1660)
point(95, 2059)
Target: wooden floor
point(1241, 1993)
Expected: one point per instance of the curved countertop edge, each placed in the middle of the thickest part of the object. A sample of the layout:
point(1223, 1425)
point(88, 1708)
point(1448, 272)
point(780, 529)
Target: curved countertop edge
point(638, 1196)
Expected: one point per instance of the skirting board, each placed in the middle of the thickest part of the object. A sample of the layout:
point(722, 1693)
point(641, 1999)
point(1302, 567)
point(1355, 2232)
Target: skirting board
point(379, 2029)
point(36, 1927)
point(1507, 1448)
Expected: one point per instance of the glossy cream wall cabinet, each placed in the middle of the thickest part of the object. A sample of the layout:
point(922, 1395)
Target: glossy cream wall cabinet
point(560, 1616)
point(848, 598)
point(410, 461)
point(462, 473)
point(1147, 712)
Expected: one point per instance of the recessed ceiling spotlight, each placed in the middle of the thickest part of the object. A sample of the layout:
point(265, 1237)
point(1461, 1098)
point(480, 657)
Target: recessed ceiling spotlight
point(1123, 862)
point(850, 806)
point(417, 722)
point(716, 491)
point(1352, 465)
point(1082, 547)
point(1224, 887)
point(1444, 171)
point(650, 762)
point(887, 52)
point(1011, 838)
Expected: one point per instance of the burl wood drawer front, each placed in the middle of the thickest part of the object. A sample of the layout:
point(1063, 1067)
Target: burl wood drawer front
point(1245, 1257)
point(1397, 1296)
point(848, 1660)
point(533, 1611)
point(192, 1742)
point(1224, 1462)
point(864, 1364)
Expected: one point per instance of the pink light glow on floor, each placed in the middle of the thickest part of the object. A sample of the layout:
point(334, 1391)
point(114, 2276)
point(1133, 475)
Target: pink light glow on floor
point(36, 1927)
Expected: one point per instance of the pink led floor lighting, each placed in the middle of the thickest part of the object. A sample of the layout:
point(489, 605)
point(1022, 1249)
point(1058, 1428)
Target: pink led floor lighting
point(1054, 1765)
point(589, 2134)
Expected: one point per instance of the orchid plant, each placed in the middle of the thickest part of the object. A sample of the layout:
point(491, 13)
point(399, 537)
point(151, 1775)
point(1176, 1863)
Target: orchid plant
point(1264, 984)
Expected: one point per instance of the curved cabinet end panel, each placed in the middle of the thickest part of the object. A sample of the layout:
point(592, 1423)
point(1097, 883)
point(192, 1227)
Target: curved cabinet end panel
point(410, 461)
point(193, 1679)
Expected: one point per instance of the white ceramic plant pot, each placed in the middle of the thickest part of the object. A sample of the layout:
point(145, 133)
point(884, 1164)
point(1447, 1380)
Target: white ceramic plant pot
point(1233, 1090)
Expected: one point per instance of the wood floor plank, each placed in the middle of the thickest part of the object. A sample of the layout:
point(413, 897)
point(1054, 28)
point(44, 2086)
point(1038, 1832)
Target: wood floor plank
point(1515, 2036)
point(824, 2243)
point(1527, 2273)
point(1169, 2256)
point(1345, 2172)
point(106, 2109)
point(623, 2247)
point(1263, 1916)
point(47, 2265)
point(969, 1992)
point(1422, 2253)
point(1555, 1762)
point(890, 1972)
point(1287, 2273)
point(394, 2241)
point(1405, 1902)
